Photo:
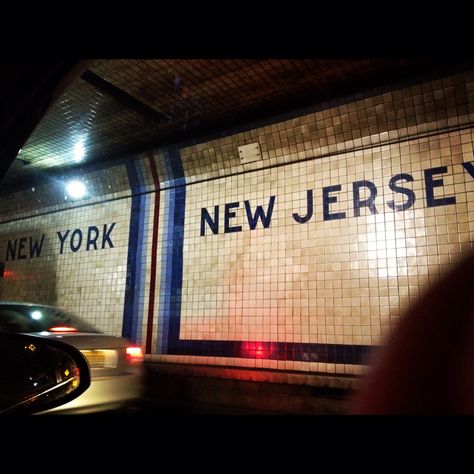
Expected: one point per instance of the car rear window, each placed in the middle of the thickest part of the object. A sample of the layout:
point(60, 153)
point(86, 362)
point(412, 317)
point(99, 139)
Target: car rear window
point(17, 318)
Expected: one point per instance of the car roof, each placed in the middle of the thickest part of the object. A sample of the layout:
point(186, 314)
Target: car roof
point(23, 303)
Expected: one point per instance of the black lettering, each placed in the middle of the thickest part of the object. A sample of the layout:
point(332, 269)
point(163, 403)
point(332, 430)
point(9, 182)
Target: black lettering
point(11, 250)
point(35, 247)
point(469, 168)
point(327, 200)
point(74, 247)
point(62, 239)
point(260, 214)
point(229, 215)
point(407, 192)
point(369, 202)
point(106, 236)
point(309, 209)
point(435, 183)
point(21, 246)
point(213, 224)
point(92, 240)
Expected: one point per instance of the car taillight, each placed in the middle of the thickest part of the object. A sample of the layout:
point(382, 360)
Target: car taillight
point(134, 355)
point(62, 329)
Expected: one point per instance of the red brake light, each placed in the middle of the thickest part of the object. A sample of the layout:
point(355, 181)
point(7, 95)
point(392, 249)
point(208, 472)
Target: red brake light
point(62, 329)
point(134, 355)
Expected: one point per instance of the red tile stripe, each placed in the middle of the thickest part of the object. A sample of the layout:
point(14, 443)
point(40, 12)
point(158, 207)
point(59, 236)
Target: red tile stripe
point(154, 250)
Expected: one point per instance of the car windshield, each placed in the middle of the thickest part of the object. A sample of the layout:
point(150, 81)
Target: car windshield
point(20, 318)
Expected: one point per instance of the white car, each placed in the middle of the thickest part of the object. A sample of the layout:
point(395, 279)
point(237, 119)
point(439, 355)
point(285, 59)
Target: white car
point(117, 372)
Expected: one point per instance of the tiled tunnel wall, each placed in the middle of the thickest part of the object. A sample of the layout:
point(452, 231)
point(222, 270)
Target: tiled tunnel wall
point(301, 260)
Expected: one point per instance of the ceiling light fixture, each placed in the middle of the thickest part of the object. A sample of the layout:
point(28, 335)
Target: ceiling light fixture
point(79, 151)
point(76, 189)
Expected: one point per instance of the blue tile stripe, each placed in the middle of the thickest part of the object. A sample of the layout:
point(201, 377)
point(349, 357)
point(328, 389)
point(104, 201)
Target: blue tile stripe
point(133, 282)
point(143, 229)
point(305, 352)
point(172, 254)
point(173, 158)
point(177, 266)
point(166, 269)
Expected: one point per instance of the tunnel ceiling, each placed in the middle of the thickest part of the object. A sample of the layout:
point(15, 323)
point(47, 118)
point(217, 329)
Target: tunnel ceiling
point(119, 107)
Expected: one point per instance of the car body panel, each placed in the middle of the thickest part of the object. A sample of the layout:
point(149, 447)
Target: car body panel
point(105, 393)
